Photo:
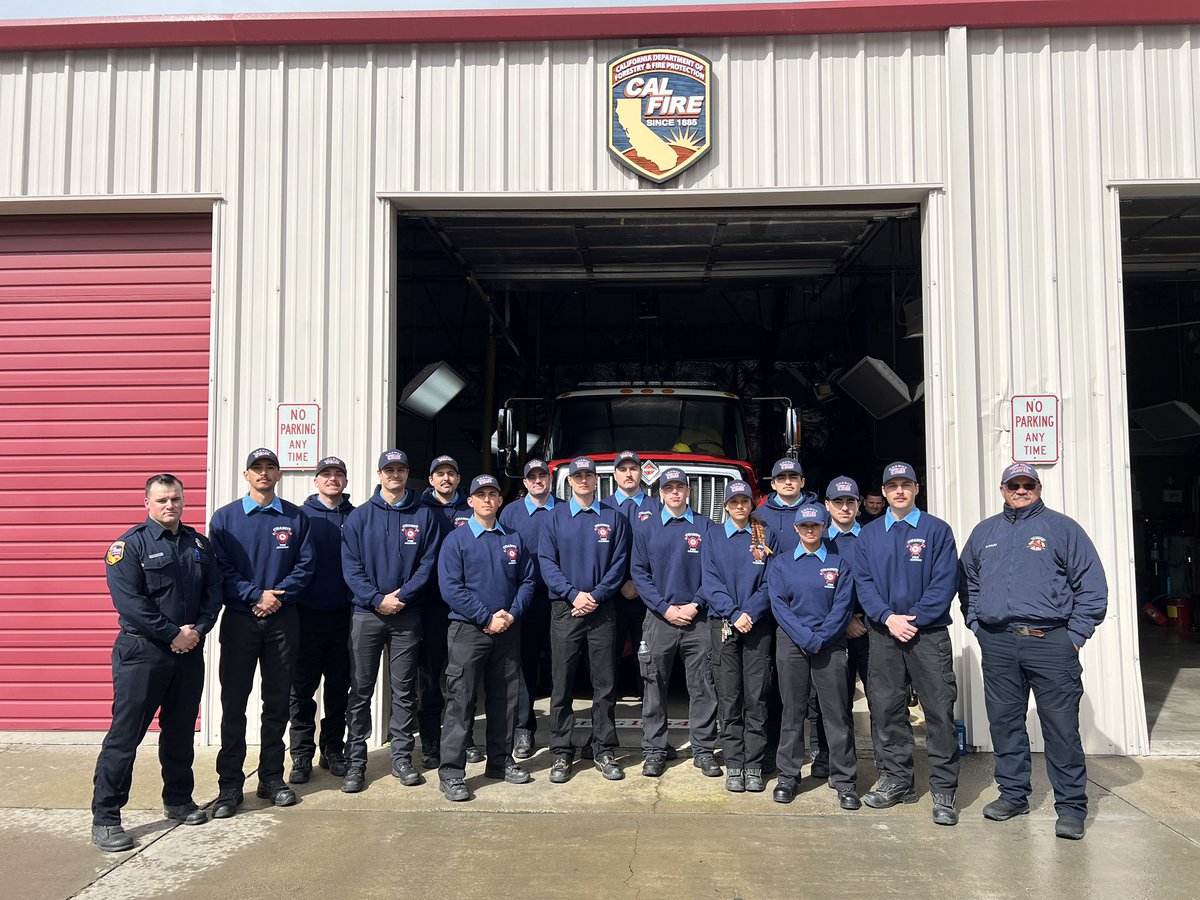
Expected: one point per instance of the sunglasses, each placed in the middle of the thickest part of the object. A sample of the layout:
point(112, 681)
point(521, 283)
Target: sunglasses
point(1014, 486)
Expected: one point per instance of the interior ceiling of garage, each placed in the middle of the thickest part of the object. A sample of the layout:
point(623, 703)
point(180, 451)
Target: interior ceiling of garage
point(546, 247)
point(1161, 236)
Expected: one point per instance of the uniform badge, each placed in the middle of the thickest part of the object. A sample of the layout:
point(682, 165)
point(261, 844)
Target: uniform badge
point(601, 533)
point(116, 552)
point(460, 521)
point(510, 550)
point(644, 515)
point(916, 549)
point(283, 536)
point(831, 577)
point(693, 542)
point(1037, 543)
point(658, 110)
point(410, 533)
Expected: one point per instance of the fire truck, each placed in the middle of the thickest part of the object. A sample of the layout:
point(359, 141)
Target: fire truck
point(701, 431)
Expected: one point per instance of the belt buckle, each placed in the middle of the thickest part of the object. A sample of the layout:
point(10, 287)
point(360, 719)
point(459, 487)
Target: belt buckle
point(1022, 630)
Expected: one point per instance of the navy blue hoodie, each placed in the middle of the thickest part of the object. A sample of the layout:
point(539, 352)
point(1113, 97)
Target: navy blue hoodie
point(1033, 566)
point(783, 518)
point(735, 579)
point(388, 547)
point(812, 596)
point(327, 592)
point(448, 515)
point(909, 570)
point(666, 560)
point(266, 550)
point(587, 551)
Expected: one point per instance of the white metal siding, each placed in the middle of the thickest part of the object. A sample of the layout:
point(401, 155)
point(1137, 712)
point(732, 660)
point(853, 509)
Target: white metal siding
point(1023, 129)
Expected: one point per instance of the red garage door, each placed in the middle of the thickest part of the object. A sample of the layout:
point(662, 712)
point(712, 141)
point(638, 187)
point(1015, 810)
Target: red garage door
point(103, 381)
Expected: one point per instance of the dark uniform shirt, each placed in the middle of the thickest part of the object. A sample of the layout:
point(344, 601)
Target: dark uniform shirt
point(160, 581)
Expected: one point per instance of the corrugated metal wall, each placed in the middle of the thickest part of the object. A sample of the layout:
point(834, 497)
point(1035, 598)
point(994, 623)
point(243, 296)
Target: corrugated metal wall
point(1023, 129)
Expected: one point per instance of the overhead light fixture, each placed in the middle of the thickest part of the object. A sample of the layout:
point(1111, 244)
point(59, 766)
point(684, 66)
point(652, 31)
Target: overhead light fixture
point(873, 385)
point(1167, 421)
point(432, 390)
point(914, 320)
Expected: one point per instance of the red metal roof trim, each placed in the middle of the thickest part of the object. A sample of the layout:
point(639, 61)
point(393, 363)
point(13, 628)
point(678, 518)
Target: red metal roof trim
point(449, 26)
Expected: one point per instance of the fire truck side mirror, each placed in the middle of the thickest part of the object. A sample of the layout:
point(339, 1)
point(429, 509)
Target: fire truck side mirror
point(506, 438)
point(791, 428)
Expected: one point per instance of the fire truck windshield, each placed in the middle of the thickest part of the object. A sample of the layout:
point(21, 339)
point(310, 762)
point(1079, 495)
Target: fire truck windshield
point(708, 426)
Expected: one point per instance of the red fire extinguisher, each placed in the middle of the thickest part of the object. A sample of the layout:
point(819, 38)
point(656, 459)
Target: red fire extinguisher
point(1154, 613)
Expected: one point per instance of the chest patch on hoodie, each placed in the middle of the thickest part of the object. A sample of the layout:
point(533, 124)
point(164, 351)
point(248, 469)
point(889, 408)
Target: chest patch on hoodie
point(916, 549)
point(411, 532)
point(831, 577)
point(460, 521)
point(1037, 543)
point(644, 515)
point(510, 553)
point(283, 536)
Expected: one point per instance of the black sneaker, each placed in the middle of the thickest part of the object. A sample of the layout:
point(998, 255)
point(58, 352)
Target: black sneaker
point(335, 761)
point(888, 793)
point(735, 781)
point(1000, 810)
point(607, 763)
point(227, 803)
point(653, 766)
point(355, 780)
point(523, 744)
point(707, 763)
point(406, 772)
point(944, 811)
point(302, 770)
point(849, 799)
point(785, 790)
point(1069, 828)
point(513, 774)
point(277, 791)
point(455, 790)
point(754, 781)
point(475, 755)
point(187, 813)
point(111, 838)
point(560, 772)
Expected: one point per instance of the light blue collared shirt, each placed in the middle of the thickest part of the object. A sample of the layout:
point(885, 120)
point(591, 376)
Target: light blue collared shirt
point(577, 507)
point(477, 529)
point(531, 507)
point(834, 531)
point(731, 529)
point(791, 505)
point(914, 516)
point(667, 517)
point(249, 507)
point(620, 496)
point(820, 553)
point(399, 503)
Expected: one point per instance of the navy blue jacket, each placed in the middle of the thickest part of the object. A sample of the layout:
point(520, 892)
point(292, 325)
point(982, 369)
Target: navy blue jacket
point(783, 519)
point(159, 581)
point(633, 513)
point(516, 517)
point(734, 579)
point(481, 575)
point(907, 570)
point(267, 550)
point(1033, 566)
point(846, 544)
point(812, 598)
point(588, 551)
point(449, 515)
point(666, 560)
point(327, 592)
point(385, 548)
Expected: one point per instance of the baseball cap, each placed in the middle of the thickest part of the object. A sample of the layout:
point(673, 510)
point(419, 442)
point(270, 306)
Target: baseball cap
point(737, 489)
point(534, 464)
point(672, 474)
point(1020, 469)
point(479, 482)
point(581, 464)
point(842, 486)
point(626, 455)
point(812, 514)
point(444, 461)
point(787, 464)
point(898, 470)
point(261, 453)
point(332, 462)
point(393, 457)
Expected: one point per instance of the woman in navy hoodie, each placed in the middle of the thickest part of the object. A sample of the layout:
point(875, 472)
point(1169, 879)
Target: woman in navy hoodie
point(812, 599)
point(734, 589)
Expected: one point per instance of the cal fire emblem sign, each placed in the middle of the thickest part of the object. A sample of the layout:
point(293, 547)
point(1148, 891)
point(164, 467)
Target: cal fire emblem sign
point(659, 104)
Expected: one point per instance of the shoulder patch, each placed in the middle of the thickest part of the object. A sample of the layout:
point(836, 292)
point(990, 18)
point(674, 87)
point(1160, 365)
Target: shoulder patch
point(116, 552)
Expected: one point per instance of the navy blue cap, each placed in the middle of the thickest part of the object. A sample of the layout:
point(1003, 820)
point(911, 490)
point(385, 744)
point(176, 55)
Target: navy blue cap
point(786, 465)
point(738, 489)
point(1020, 469)
point(898, 470)
point(672, 474)
point(393, 458)
point(261, 453)
point(842, 486)
point(581, 464)
point(444, 461)
point(479, 482)
point(331, 462)
point(626, 456)
point(534, 464)
point(812, 514)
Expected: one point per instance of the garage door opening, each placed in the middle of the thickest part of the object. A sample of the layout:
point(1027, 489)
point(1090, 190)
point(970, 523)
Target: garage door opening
point(1161, 263)
point(820, 306)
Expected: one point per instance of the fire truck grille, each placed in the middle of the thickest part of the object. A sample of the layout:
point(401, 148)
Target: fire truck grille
point(708, 490)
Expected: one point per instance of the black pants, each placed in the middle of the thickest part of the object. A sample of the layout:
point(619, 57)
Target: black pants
point(248, 643)
point(494, 659)
point(1013, 665)
point(741, 667)
point(148, 677)
point(858, 658)
point(928, 662)
point(324, 653)
point(628, 631)
point(431, 667)
point(800, 675)
point(568, 638)
point(535, 638)
point(693, 643)
point(370, 635)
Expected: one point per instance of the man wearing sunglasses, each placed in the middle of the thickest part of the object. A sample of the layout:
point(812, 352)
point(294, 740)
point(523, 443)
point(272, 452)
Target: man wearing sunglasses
point(1033, 591)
